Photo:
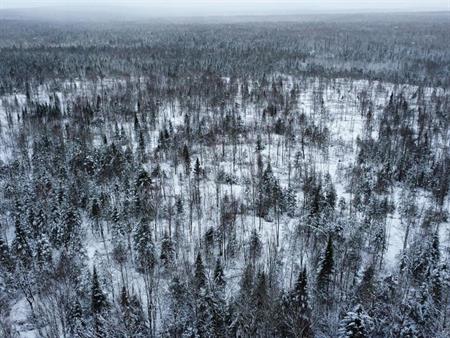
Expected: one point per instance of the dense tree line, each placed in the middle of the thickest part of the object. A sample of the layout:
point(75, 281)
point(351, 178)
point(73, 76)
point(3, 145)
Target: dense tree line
point(391, 48)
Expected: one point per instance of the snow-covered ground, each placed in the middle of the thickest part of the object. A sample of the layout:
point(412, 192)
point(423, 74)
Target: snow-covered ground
point(341, 116)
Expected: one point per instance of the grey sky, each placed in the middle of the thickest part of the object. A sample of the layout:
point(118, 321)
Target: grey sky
point(205, 7)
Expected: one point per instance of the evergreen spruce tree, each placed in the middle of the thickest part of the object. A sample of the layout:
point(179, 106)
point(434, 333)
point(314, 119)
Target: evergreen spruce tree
point(133, 315)
point(197, 169)
point(6, 261)
point(137, 125)
point(56, 228)
point(99, 305)
point(268, 188)
point(167, 252)
point(295, 314)
point(43, 252)
point(118, 229)
point(99, 302)
point(180, 308)
point(436, 286)
point(203, 301)
point(245, 310)
point(299, 294)
point(365, 291)
point(138, 322)
point(356, 324)
point(199, 276)
point(71, 228)
point(20, 246)
point(261, 303)
point(141, 147)
point(186, 158)
point(259, 146)
point(330, 192)
point(75, 319)
point(219, 280)
point(255, 246)
point(435, 252)
point(95, 213)
point(120, 253)
point(325, 272)
point(144, 247)
point(40, 223)
point(218, 302)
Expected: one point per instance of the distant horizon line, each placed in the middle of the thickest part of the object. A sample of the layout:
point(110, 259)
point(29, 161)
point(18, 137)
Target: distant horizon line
point(267, 12)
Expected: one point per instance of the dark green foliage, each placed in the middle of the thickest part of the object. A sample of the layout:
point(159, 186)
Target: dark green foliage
point(219, 280)
point(133, 315)
point(325, 272)
point(180, 309)
point(261, 301)
point(167, 252)
point(20, 246)
point(144, 247)
point(99, 306)
point(75, 318)
point(71, 228)
point(199, 275)
point(197, 169)
point(99, 302)
point(366, 288)
point(270, 194)
point(43, 253)
point(186, 158)
point(6, 261)
point(244, 309)
point(356, 324)
point(294, 315)
point(255, 245)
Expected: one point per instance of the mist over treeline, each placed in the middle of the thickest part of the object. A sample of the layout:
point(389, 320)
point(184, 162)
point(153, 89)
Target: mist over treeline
point(397, 48)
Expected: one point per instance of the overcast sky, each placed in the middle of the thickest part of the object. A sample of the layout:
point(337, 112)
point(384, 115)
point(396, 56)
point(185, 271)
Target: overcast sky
point(205, 7)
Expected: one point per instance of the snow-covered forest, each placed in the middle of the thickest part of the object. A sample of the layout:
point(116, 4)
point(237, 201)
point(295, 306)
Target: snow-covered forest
point(241, 179)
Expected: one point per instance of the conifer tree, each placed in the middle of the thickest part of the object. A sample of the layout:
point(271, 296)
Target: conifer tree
point(180, 308)
point(99, 305)
point(40, 223)
point(186, 158)
point(299, 294)
point(356, 324)
point(326, 271)
point(295, 314)
point(244, 312)
point(261, 303)
point(118, 229)
point(219, 302)
point(75, 319)
point(71, 227)
point(197, 169)
point(99, 302)
point(219, 280)
point(255, 246)
point(144, 247)
point(133, 315)
point(199, 276)
point(167, 252)
point(365, 291)
point(203, 301)
point(20, 246)
point(6, 261)
point(95, 213)
point(43, 252)
point(141, 147)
